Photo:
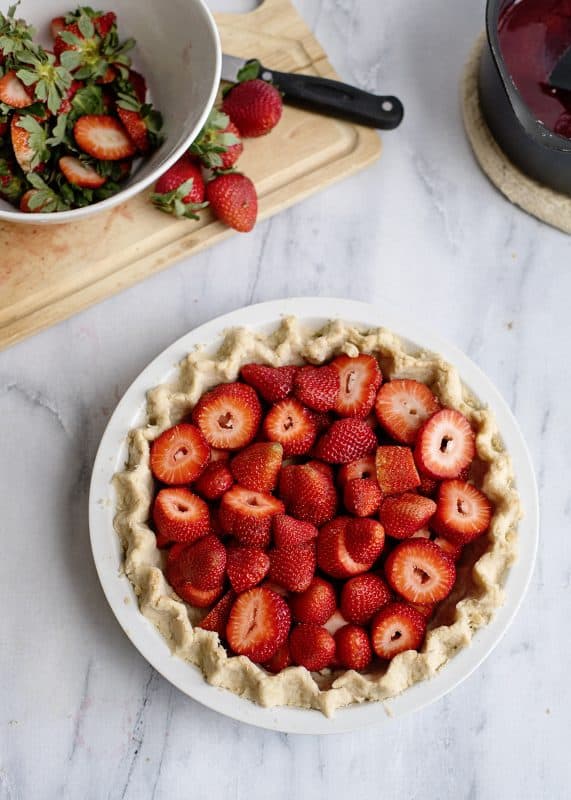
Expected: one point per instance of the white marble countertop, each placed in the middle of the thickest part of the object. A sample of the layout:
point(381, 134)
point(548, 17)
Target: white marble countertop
point(82, 714)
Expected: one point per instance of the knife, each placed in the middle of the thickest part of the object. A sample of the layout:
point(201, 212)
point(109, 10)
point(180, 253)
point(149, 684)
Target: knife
point(322, 94)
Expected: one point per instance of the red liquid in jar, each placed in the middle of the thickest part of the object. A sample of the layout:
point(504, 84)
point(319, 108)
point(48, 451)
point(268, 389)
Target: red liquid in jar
point(533, 36)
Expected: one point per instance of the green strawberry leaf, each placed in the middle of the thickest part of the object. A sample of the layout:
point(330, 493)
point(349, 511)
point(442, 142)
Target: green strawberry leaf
point(70, 59)
point(85, 26)
point(249, 71)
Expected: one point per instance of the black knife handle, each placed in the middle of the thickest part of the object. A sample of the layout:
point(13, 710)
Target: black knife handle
point(338, 99)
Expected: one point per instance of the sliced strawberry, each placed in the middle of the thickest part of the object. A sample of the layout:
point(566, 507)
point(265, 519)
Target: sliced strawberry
point(362, 596)
point(290, 532)
point(272, 383)
point(293, 568)
point(180, 515)
point(462, 512)
point(345, 441)
point(80, 174)
point(280, 660)
point(402, 406)
point(396, 470)
point(311, 646)
point(20, 139)
point(246, 567)
point(362, 496)
point(364, 539)
point(259, 624)
point(359, 380)
point(179, 455)
point(228, 415)
point(405, 514)
point(420, 571)
point(292, 425)
point(360, 468)
point(25, 202)
point(396, 628)
point(248, 515)
point(56, 26)
point(352, 647)
point(136, 128)
point(316, 387)
point(214, 481)
point(202, 564)
point(332, 554)
point(139, 85)
point(316, 604)
point(309, 493)
point(13, 92)
point(103, 137)
point(258, 466)
point(217, 618)
point(445, 445)
point(201, 598)
point(450, 548)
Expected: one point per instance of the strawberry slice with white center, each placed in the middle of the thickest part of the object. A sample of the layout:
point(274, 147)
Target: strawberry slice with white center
point(20, 138)
point(332, 554)
point(292, 425)
point(179, 455)
point(272, 383)
point(359, 380)
point(258, 624)
point(396, 628)
point(420, 571)
point(405, 514)
point(13, 92)
point(248, 515)
point(103, 137)
point(403, 406)
point(445, 445)
point(180, 515)
point(228, 415)
point(463, 512)
point(80, 174)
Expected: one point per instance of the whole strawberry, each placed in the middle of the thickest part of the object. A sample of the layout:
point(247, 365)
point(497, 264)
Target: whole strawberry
point(233, 200)
point(218, 145)
point(255, 107)
point(180, 191)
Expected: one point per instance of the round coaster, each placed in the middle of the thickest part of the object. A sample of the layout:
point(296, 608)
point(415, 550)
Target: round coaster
point(544, 203)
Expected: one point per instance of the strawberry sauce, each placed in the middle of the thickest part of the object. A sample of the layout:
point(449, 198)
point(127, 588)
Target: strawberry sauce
point(533, 36)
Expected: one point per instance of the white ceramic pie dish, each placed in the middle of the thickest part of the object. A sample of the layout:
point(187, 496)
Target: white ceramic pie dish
point(108, 553)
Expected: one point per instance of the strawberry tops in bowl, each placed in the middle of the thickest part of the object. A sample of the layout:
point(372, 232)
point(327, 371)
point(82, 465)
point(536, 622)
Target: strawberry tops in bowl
point(317, 515)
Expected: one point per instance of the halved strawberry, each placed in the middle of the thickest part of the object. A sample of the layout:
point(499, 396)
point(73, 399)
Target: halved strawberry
point(450, 548)
point(179, 454)
point(332, 554)
point(311, 646)
point(396, 470)
point(420, 571)
point(359, 380)
point(290, 532)
point(13, 92)
point(80, 174)
point(246, 567)
point(180, 515)
point(20, 139)
point(396, 628)
point(258, 465)
point(248, 515)
point(445, 445)
point(214, 481)
point(292, 425)
point(462, 512)
point(293, 568)
point(258, 624)
point(308, 492)
point(316, 604)
point(359, 468)
point(402, 406)
point(280, 659)
point(406, 513)
point(362, 496)
point(202, 564)
point(201, 598)
point(103, 137)
point(345, 441)
point(362, 596)
point(364, 540)
point(272, 383)
point(316, 387)
point(228, 415)
point(136, 128)
point(352, 647)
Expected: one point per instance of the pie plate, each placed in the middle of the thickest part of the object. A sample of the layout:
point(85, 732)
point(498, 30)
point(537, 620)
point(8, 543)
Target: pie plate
point(107, 551)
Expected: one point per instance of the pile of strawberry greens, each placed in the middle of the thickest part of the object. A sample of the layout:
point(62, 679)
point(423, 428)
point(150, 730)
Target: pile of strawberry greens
point(72, 119)
point(316, 512)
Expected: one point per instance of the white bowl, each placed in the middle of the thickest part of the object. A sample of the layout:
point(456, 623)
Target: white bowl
point(178, 51)
point(108, 554)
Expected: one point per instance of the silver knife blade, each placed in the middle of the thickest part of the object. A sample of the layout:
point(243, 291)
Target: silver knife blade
point(231, 66)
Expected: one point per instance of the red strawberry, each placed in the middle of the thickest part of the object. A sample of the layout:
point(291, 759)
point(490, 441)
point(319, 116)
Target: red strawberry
point(179, 454)
point(163, 541)
point(175, 551)
point(332, 554)
point(316, 604)
point(316, 387)
point(359, 380)
point(246, 567)
point(181, 190)
point(56, 26)
point(402, 406)
point(201, 598)
point(219, 455)
point(218, 145)
point(25, 202)
point(248, 515)
point(462, 512)
point(445, 445)
point(322, 419)
point(362, 496)
point(311, 646)
point(352, 647)
point(291, 532)
point(80, 174)
point(60, 46)
point(280, 660)
point(420, 571)
point(214, 481)
point(396, 628)
point(104, 22)
point(309, 493)
point(272, 383)
point(258, 466)
point(360, 468)
point(254, 106)
point(426, 609)
point(65, 105)
point(217, 618)
point(13, 92)
point(258, 625)
point(293, 568)
point(136, 127)
point(139, 85)
point(103, 137)
point(362, 596)
point(396, 470)
point(20, 139)
point(451, 549)
point(228, 415)
point(202, 564)
point(428, 486)
point(292, 425)
point(346, 440)
point(406, 513)
point(233, 200)
point(180, 515)
point(364, 540)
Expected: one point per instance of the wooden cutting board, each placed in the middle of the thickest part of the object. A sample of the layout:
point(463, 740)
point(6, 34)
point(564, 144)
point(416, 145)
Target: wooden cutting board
point(49, 273)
